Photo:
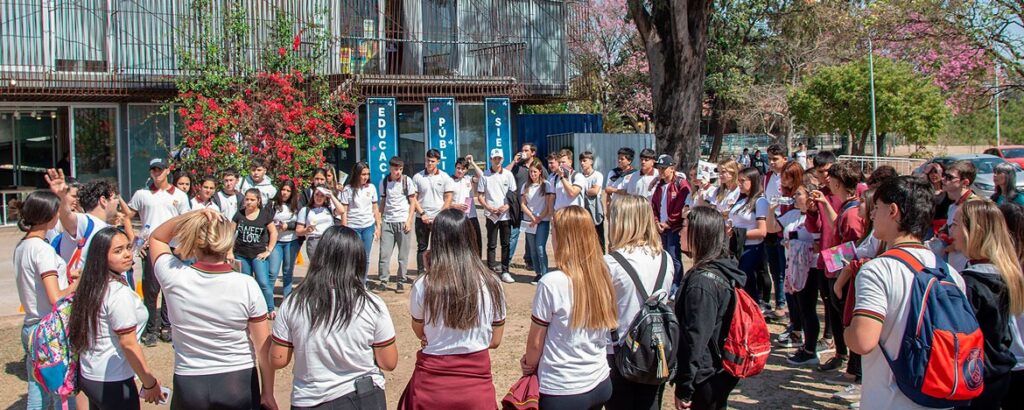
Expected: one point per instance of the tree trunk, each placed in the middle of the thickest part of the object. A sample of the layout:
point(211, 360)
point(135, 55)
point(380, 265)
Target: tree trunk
point(717, 128)
point(674, 35)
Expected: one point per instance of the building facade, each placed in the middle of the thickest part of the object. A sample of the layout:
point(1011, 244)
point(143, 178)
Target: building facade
point(82, 82)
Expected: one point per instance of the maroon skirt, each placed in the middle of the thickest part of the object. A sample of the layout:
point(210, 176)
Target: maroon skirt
point(450, 382)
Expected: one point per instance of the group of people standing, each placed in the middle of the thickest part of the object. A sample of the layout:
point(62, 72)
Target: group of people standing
point(216, 256)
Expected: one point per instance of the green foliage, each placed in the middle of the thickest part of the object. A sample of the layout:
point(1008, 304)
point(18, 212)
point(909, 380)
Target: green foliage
point(979, 127)
point(837, 99)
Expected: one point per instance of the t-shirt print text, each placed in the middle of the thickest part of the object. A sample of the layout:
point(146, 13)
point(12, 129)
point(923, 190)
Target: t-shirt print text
point(250, 233)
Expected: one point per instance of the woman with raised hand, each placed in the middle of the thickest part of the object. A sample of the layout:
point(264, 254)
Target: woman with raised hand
point(573, 311)
point(341, 335)
point(636, 250)
point(314, 219)
point(458, 313)
point(41, 276)
point(702, 306)
point(219, 315)
point(107, 319)
point(255, 239)
point(995, 288)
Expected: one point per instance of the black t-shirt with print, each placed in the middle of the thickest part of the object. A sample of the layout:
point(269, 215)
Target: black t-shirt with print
point(251, 236)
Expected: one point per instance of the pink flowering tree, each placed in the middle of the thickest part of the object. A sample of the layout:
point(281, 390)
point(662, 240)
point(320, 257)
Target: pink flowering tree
point(285, 115)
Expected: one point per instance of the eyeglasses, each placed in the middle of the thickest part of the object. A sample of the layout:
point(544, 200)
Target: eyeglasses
point(949, 177)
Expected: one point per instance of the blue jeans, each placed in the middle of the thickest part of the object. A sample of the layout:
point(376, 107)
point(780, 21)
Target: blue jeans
point(366, 234)
point(513, 240)
point(670, 242)
point(537, 244)
point(36, 394)
point(260, 270)
point(775, 255)
point(282, 260)
point(752, 263)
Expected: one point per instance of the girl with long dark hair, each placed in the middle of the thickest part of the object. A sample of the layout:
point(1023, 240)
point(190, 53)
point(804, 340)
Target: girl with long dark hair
point(182, 180)
point(538, 204)
point(286, 250)
point(107, 319)
point(255, 239)
point(332, 322)
point(220, 316)
point(1014, 216)
point(702, 305)
point(458, 313)
point(1004, 176)
point(41, 276)
point(359, 209)
point(749, 218)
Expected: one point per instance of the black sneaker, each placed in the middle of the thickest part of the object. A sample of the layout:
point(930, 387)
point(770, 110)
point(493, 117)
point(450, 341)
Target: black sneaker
point(165, 335)
point(149, 340)
point(825, 345)
point(399, 288)
point(377, 287)
point(833, 364)
point(789, 339)
point(802, 358)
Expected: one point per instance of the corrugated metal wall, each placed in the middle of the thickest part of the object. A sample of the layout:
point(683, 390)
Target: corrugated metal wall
point(604, 146)
point(536, 128)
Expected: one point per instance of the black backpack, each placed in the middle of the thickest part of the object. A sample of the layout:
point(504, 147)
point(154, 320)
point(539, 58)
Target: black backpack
point(647, 354)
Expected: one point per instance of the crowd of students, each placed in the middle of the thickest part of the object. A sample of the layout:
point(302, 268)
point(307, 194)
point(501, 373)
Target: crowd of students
point(215, 252)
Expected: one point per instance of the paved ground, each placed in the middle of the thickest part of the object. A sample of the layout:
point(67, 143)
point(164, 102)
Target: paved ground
point(780, 386)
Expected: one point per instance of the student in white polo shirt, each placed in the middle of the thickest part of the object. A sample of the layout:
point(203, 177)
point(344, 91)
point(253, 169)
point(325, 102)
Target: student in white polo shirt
point(593, 199)
point(902, 216)
point(100, 199)
point(398, 199)
point(155, 205)
point(229, 198)
point(259, 179)
point(569, 184)
point(359, 209)
point(573, 310)
point(492, 194)
point(464, 196)
point(644, 180)
point(220, 316)
point(341, 335)
point(314, 219)
point(433, 194)
point(106, 321)
point(205, 193)
point(619, 175)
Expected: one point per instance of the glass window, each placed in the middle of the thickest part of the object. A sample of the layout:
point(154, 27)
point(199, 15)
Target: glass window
point(411, 137)
point(472, 137)
point(149, 133)
point(21, 33)
point(81, 35)
point(95, 143)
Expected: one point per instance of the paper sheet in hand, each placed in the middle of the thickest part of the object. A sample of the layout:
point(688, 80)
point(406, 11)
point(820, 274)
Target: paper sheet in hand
point(837, 257)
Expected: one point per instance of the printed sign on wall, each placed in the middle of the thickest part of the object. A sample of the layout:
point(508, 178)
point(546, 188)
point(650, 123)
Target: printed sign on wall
point(499, 127)
point(381, 136)
point(443, 132)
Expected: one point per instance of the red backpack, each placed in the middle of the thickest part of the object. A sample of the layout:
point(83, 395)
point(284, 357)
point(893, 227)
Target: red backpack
point(748, 343)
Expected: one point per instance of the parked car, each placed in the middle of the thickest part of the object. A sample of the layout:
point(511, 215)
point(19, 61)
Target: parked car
point(983, 184)
point(1012, 153)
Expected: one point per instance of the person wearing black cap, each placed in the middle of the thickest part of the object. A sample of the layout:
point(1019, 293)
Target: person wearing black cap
point(155, 205)
point(669, 204)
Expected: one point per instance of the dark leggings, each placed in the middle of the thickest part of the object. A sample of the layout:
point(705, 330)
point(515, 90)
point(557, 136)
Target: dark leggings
point(834, 307)
point(238, 390)
point(110, 395)
point(752, 263)
point(1015, 394)
point(591, 400)
point(373, 400)
point(807, 299)
point(630, 395)
point(713, 393)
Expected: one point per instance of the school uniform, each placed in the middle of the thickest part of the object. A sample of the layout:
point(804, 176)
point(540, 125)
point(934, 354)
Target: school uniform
point(495, 187)
point(155, 207)
point(430, 190)
point(105, 375)
point(396, 200)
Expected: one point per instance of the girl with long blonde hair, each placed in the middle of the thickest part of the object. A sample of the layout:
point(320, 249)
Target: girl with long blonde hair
point(636, 255)
point(574, 305)
point(724, 195)
point(995, 288)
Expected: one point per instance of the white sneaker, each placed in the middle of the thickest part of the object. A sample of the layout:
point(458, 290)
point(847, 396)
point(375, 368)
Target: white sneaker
point(851, 393)
point(507, 278)
point(855, 405)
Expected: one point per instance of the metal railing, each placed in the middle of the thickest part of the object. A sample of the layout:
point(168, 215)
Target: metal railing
point(903, 166)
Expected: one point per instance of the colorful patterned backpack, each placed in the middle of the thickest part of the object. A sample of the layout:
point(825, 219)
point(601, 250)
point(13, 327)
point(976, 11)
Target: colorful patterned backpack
point(54, 363)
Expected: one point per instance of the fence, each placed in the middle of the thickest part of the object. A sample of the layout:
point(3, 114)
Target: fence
point(903, 166)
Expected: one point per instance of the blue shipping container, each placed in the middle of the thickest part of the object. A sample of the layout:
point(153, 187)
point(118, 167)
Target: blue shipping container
point(535, 128)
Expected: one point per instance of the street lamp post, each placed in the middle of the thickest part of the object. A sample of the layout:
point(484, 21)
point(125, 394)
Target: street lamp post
point(998, 136)
point(871, 73)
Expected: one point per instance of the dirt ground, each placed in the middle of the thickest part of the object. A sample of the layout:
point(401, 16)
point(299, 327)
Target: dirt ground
point(780, 386)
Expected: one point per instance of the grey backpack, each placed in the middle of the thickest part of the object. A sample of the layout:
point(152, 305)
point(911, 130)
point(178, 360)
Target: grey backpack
point(647, 353)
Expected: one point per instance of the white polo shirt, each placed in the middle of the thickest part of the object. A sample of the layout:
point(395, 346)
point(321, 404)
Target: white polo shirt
point(196, 204)
point(495, 186)
point(464, 194)
point(562, 198)
point(69, 243)
point(158, 206)
point(640, 184)
point(360, 205)
point(266, 188)
point(396, 199)
point(647, 265)
point(211, 307)
point(228, 204)
point(574, 361)
point(120, 313)
point(442, 340)
point(328, 361)
point(321, 218)
point(536, 201)
point(431, 189)
point(34, 259)
point(745, 219)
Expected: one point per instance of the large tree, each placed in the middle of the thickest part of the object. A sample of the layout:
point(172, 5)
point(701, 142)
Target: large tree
point(674, 34)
